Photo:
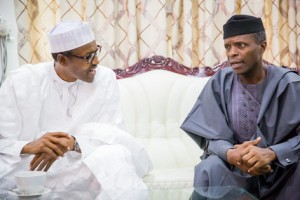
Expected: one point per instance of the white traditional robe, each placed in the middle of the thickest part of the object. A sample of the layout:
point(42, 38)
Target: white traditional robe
point(34, 100)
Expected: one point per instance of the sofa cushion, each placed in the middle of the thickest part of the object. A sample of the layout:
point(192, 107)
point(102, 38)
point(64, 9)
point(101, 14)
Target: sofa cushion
point(154, 106)
point(157, 93)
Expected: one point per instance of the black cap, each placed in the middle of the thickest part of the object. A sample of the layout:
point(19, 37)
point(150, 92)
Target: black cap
point(242, 24)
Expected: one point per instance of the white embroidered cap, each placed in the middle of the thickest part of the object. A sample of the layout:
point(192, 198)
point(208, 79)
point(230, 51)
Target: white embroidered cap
point(66, 36)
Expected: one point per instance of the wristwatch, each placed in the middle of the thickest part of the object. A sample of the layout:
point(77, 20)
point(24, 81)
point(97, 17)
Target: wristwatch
point(76, 145)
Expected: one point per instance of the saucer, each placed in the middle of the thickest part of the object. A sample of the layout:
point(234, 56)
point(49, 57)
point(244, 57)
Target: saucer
point(16, 192)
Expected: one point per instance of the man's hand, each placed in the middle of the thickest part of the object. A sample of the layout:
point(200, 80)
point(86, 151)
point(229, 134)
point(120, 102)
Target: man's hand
point(43, 161)
point(250, 158)
point(50, 143)
point(234, 158)
point(260, 171)
point(234, 155)
point(255, 158)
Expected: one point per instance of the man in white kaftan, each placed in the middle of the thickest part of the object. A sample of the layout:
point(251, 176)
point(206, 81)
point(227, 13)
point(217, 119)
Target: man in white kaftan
point(42, 105)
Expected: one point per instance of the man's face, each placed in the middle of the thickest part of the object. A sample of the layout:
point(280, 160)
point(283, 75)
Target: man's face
point(79, 66)
point(244, 53)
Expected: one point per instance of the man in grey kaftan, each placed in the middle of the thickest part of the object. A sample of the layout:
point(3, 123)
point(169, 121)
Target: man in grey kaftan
point(247, 119)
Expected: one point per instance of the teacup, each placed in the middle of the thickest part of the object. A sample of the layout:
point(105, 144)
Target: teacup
point(30, 182)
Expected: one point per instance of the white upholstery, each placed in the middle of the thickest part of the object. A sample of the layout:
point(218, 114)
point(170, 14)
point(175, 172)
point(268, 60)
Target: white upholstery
point(155, 104)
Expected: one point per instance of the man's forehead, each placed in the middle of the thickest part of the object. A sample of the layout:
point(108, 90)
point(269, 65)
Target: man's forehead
point(240, 38)
point(87, 48)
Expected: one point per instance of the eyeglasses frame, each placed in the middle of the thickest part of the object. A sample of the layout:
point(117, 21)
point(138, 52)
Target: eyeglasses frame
point(89, 58)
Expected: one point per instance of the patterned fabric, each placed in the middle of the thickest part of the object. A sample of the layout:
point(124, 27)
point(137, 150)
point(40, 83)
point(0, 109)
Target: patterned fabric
point(246, 100)
point(190, 32)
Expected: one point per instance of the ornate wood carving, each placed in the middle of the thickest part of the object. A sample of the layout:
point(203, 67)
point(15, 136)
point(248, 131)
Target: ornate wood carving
point(160, 62)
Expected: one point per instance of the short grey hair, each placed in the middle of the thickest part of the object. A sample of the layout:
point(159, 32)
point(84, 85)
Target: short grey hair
point(260, 36)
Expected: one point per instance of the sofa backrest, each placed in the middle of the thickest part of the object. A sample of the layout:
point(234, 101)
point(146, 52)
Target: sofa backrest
point(155, 103)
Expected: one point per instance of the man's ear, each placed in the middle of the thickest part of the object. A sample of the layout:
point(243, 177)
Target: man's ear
point(263, 47)
point(62, 59)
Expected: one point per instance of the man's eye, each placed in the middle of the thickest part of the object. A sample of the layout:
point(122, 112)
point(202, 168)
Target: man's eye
point(242, 44)
point(88, 57)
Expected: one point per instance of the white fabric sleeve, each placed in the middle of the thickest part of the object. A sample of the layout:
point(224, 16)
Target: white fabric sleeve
point(111, 109)
point(10, 125)
point(92, 135)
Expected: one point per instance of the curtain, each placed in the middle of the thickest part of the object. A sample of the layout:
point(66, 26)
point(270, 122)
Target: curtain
point(189, 31)
point(3, 58)
point(4, 37)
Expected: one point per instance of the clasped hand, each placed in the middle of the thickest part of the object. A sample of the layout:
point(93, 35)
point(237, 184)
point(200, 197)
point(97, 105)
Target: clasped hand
point(47, 149)
point(250, 158)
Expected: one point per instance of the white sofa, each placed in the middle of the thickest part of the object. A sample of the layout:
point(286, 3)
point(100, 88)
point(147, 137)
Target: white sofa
point(154, 104)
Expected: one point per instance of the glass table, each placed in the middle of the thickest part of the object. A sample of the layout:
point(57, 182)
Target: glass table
point(210, 193)
point(202, 193)
point(65, 195)
point(222, 193)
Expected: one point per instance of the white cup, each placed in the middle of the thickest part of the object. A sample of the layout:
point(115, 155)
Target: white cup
point(30, 182)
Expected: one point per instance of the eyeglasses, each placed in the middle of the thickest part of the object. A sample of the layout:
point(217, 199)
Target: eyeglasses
point(89, 59)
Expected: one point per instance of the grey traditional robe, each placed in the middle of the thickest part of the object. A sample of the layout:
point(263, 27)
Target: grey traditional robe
point(278, 125)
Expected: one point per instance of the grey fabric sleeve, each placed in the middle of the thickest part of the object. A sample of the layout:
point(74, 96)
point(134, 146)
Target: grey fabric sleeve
point(219, 148)
point(287, 152)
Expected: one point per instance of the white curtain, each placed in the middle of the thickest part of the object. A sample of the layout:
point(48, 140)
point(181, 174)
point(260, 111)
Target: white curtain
point(3, 57)
point(4, 35)
point(189, 31)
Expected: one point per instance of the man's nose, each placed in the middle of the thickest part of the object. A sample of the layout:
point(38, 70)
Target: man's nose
point(232, 52)
point(96, 60)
